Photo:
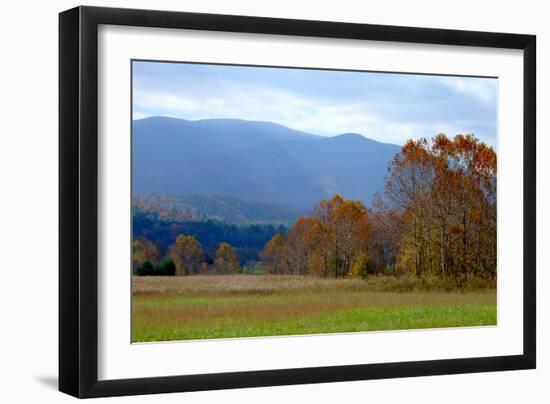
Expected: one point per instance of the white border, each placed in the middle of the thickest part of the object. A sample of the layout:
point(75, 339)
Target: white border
point(119, 359)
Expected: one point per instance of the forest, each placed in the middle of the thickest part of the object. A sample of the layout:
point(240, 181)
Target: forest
point(436, 216)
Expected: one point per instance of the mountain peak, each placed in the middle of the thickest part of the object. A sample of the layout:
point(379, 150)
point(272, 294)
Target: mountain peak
point(351, 138)
point(160, 118)
point(351, 135)
point(229, 125)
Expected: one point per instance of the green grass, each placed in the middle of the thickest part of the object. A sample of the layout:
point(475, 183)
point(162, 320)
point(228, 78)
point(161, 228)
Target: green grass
point(165, 309)
point(349, 320)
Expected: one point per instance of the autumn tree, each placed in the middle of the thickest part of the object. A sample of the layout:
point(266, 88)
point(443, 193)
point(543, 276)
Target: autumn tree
point(187, 255)
point(408, 184)
point(350, 234)
point(327, 243)
point(301, 243)
point(362, 266)
point(327, 235)
point(467, 185)
point(226, 260)
point(339, 232)
point(386, 224)
point(445, 199)
point(144, 250)
point(275, 255)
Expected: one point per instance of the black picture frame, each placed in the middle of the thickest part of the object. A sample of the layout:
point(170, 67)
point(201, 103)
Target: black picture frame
point(78, 201)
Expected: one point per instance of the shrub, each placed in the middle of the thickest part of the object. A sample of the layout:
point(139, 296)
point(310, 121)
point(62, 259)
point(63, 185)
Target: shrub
point(404, 283)
point(361, 267)
point(166, 268)
point(146, 268)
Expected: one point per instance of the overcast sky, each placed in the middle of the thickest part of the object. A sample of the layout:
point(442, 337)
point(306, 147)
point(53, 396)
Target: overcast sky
point(386, 107)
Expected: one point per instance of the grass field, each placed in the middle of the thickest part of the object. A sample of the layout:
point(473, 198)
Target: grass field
point(231, 306)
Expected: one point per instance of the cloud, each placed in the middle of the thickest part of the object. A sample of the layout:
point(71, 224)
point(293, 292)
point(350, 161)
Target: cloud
point(165, 101)
point(387, 108)
point(479, 88)
point(140, 115)
point(264, 104)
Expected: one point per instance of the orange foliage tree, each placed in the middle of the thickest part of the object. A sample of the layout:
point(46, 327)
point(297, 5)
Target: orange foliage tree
point(437, 216)
point(446, 198)
point(325, 243)
point(274, 255)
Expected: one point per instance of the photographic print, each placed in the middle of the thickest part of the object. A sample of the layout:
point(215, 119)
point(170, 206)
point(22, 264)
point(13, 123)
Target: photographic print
point(271, 201)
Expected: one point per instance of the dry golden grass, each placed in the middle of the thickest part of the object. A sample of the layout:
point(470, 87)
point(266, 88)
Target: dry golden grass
point(227, 285)
point(240, 285)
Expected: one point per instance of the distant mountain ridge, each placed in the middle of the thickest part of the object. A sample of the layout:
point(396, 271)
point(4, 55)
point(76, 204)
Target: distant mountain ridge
point(201, 207)
point(254, 161)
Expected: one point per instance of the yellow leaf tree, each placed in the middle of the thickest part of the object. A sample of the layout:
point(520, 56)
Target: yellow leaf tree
point(187, 255)
point(226, 260)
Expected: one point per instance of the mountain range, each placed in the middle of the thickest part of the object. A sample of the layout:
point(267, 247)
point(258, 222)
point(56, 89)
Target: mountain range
point(254, 161)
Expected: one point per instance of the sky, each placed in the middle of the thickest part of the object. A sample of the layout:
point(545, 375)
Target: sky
point(387, 107)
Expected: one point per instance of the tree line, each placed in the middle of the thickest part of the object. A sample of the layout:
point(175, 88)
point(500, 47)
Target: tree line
point(437, 215)
point(246, 239)
point(184, 257)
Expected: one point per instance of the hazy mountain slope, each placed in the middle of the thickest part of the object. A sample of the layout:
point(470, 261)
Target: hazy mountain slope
point(256, 161)
point(199, 207)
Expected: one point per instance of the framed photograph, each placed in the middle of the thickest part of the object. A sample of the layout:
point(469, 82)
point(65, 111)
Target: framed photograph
point(251, 201)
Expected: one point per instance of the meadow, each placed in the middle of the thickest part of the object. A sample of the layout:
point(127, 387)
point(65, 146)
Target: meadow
point(233, 306)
